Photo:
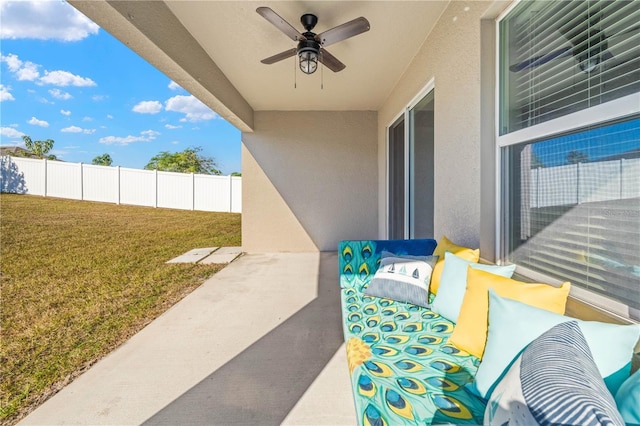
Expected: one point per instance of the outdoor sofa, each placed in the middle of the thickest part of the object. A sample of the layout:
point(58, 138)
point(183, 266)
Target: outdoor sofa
point(484, 349)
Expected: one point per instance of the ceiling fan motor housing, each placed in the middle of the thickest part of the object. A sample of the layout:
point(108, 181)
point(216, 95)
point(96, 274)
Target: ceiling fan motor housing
point(308, 21)
point(308, 44)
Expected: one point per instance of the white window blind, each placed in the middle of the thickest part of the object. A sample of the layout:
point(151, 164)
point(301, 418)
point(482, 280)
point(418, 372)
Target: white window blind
point(559, 57)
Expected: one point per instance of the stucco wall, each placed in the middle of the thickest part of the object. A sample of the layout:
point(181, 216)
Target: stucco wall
point(309, 180)
point(451, 55)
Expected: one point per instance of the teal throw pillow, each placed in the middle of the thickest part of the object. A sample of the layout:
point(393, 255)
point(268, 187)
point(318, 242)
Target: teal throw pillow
point(513, 325)
point(453, 284)
point(628, 400)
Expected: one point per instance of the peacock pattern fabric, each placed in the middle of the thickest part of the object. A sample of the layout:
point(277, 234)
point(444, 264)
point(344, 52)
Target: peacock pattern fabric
point(402, 369)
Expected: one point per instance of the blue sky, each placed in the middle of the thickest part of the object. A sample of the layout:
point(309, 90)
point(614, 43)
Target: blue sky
point(598, 143)
point(64, 78)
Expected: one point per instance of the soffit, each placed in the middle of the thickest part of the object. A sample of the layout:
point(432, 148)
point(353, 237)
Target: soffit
point(237, 38)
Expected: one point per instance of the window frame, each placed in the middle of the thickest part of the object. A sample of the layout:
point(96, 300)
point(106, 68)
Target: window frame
point(616, 109)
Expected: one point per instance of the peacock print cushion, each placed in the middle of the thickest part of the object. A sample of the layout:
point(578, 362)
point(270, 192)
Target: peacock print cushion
point(402, 370)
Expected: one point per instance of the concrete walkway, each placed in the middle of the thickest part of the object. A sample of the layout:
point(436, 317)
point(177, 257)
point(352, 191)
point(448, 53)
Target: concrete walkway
point(258, 343)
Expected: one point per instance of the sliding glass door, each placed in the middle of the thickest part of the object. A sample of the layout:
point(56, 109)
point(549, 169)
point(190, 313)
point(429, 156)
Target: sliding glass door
point(410, 171)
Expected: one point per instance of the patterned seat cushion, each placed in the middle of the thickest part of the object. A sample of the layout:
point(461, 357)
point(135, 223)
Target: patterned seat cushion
point(402, 369)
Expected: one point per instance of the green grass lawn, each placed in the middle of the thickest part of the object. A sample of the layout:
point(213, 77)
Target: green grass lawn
point(78, 278)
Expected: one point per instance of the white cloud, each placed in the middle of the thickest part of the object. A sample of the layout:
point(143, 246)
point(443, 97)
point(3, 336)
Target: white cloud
point(28, 72)
point(98, 98)
point(150, 133)
point(76, 129)
point(171, 126)
point(145, 136)
point(175, 142)
point(10, 132)
point(24, 71)
point(110, 117)
point(87, 118)
point(65, 112)
point(44, 20)
point(13, 62)
point(5, 95)
point(59, 94)
point(65, 78)
point(193, 109)
point(34, 121)
point(148, 107)
point(174, 86)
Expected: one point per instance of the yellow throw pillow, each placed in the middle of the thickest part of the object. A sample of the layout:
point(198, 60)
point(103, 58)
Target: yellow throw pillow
point(470, 333)
point(445, 245)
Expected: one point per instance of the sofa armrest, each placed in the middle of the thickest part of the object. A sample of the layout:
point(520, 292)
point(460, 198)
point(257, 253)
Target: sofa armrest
point(358, 260)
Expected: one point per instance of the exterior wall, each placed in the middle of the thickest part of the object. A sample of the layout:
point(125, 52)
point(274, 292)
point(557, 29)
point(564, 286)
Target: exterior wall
point(453, 56)
point(309, 180)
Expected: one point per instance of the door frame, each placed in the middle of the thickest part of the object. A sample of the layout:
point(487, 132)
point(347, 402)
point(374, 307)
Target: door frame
point(428, 88)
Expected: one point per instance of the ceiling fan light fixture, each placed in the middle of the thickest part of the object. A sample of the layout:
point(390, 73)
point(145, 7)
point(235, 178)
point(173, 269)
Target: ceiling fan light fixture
point(589, 64)
point(308, 52)
point(308, 60)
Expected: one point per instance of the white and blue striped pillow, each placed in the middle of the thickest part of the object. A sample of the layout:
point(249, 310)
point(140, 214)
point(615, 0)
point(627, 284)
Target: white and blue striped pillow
point(553, 382)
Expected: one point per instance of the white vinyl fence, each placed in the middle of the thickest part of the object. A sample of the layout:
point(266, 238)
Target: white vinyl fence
point(584, 183)
point(121, 185)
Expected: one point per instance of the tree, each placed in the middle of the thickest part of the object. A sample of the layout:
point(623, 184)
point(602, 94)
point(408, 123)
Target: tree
point(238, 174)
point(102, 160)
point(188, 161)
point(39, 148)
point(575, 157)
point(536, 161)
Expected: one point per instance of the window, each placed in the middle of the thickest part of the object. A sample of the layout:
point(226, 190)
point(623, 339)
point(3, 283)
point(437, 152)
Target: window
point(410, 170)
point(569, 139)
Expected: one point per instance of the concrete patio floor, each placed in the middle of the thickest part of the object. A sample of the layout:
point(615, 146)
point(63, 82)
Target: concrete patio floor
point(258, 343)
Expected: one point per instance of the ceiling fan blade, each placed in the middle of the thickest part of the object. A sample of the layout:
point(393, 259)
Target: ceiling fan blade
point(542, 59)
point(268, 14)
point(331, 61)
point(279, 57)
point(342, 32)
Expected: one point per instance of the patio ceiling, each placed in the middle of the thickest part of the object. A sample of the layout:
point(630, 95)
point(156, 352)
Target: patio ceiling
point(214, 48)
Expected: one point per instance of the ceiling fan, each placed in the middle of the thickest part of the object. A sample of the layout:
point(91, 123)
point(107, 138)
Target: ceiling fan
point(311, 46)
point(589, 47)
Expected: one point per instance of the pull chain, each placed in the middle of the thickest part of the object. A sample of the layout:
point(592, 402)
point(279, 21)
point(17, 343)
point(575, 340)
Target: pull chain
point(321, 75)
point(295, 74)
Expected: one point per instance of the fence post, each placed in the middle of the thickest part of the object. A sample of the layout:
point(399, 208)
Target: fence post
point(230, 194)
point(155, 200)
point(81, 182)
point(44, 163)
point(193, 191)
point(578, 183)
point(538, 187)
point(621, 180)
point(118, 185)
